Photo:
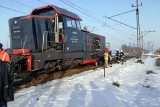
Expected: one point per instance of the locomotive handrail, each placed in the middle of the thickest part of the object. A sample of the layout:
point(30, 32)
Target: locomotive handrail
point(43, 39)
point(24, 44)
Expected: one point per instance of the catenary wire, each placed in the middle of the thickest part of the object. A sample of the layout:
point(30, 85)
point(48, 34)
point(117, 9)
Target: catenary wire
point(21, 3)
point(94, 18)
point(12, 9)
point(30, 7)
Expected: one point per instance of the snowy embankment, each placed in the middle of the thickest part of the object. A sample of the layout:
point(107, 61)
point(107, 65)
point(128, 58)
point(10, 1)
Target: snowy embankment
point(92, 89)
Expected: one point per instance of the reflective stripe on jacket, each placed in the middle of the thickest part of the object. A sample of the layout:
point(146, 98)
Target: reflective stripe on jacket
point(4, 56)
point(105, 55)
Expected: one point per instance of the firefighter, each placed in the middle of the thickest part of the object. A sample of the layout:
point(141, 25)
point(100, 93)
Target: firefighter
point(106, 58)
point(110, 58)
point(122, 56)
point(3, 54)
point(117, 56)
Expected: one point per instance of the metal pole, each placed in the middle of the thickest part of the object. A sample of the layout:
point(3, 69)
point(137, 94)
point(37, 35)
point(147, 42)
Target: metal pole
point(142, 44)
point(142, 35)
point(138, 28)
point(104, 70)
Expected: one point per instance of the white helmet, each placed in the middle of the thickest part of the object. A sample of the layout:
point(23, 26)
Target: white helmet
point(121, 50)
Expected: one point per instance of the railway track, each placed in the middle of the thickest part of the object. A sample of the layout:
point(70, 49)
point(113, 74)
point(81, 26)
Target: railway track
point(41, 78)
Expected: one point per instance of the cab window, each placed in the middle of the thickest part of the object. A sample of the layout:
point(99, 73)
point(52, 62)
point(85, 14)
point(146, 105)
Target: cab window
point(72, 23)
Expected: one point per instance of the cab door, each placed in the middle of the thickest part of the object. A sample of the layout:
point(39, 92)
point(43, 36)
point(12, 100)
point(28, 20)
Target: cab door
point(73, 35)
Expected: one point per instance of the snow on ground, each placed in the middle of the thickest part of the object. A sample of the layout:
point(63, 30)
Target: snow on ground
point(92, 89)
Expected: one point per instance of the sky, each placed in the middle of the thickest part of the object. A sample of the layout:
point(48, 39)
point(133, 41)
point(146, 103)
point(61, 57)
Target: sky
point(92, 89)
point(93, 14)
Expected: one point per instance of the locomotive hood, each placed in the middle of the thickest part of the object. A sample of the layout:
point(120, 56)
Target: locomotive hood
point(51, 9)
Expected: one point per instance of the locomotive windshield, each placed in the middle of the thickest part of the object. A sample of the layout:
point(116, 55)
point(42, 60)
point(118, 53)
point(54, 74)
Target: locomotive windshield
point(73, 23)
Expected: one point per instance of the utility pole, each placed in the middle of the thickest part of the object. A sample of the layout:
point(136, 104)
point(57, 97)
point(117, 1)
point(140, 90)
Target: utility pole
point(150, 46)
point(141, 38)
point(129, 48)
point(138, 26)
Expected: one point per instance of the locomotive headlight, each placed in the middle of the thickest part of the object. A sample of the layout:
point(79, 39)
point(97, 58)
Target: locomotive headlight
point(15, 22)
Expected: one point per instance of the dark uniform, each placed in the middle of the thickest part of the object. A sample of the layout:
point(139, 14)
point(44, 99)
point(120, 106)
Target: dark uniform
point(110, 58)
point(117, 56)
point(122, 56)
point(4, 67)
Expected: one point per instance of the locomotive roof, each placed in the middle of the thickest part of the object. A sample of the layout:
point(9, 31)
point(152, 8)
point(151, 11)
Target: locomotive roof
point(57, 10)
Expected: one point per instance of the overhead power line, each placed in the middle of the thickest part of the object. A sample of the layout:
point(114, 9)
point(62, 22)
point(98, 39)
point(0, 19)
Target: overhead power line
point(122, 13)
point(80, 10)
point(21, 3)
point(100, 21)
point(84, 11)
point(89, 15)
point(12, 9)
point(87, 11)
point(120, 22)
point(120, 32)
point(42, 2)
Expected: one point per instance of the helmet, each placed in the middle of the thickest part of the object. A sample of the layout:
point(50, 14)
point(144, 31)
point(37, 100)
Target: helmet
point(106, 49)
point(121, 50)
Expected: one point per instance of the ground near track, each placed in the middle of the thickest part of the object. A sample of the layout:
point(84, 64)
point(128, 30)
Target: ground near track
point(43, 78)
point(158, 62)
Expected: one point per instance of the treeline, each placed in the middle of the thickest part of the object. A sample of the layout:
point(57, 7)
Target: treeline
point(158, 51)
point(133, 50)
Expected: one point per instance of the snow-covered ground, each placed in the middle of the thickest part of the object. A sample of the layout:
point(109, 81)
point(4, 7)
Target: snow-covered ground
point(92, 89)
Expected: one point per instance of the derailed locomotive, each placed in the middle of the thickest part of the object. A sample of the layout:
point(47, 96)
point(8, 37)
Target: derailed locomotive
point(51, 38)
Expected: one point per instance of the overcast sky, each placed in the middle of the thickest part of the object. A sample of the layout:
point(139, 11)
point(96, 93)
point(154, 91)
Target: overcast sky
point(93, 14)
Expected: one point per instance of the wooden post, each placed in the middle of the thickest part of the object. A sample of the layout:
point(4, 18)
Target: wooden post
point(104, 70)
